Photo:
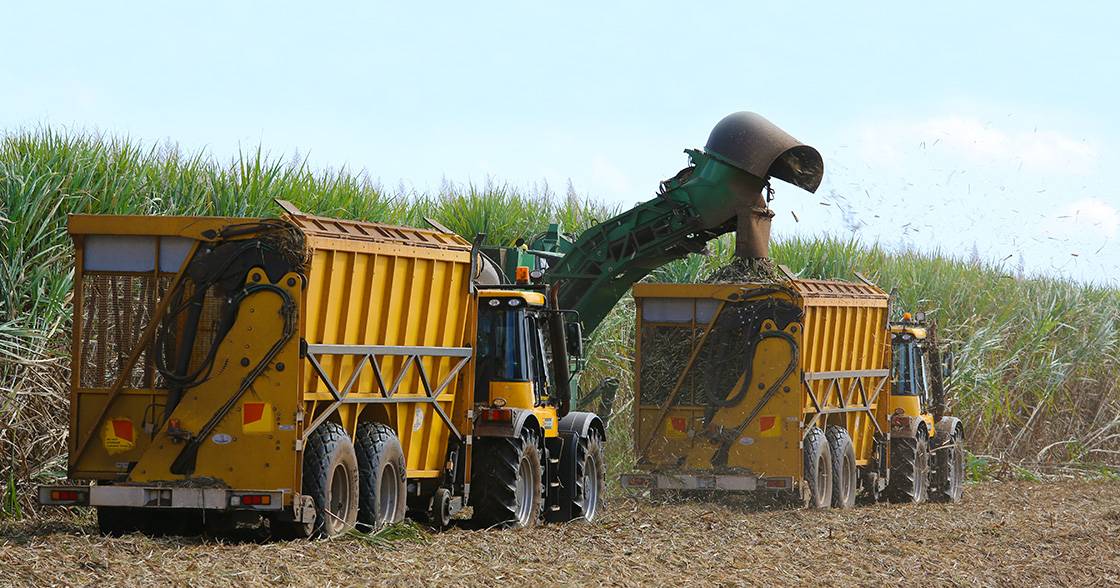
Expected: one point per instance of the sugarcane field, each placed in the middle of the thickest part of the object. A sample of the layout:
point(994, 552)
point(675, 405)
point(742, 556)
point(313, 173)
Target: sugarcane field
point(412, 329)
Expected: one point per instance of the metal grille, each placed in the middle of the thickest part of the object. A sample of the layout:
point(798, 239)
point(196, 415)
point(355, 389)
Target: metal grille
point(665, 353)
point(117, 307)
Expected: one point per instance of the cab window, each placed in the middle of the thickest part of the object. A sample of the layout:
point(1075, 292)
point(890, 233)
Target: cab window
point(501, 346)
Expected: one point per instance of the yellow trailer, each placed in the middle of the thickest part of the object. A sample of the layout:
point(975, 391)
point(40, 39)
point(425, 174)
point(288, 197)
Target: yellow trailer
point(315, 373)
point(784, 386)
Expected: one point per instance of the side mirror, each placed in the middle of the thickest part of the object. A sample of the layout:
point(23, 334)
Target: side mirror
point(573, 332)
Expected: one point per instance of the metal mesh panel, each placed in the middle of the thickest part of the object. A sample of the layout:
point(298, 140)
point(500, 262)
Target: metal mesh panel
point(665, 353)
point(117, 308)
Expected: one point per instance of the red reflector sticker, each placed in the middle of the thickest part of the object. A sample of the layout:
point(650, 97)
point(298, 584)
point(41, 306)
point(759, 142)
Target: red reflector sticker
point(765, 423)
point(253, 412)
point(679, 424)
point(123, 428)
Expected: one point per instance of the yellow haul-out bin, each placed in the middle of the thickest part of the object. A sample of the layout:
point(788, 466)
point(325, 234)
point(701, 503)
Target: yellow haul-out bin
point(315, 373)
point(731, 378)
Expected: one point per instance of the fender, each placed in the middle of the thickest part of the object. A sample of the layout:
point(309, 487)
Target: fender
point(580, 423)
point(521, 419)
point(944, 428)
point(906, 426)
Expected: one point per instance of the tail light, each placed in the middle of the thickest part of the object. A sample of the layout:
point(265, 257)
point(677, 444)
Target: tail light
point(496, 415)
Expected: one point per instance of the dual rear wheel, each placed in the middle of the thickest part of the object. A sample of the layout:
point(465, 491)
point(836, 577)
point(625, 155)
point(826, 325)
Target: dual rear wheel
point(352, 484)
point(915, 477)
point(830, 468)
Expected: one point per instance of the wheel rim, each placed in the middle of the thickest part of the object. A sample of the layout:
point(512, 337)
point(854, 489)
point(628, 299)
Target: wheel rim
point(387, 495)
point(590, 488)
point(824, 478)
point(956, 472)
point(340, 495)
point(921, 470)
point(845, 480)
point(523, 492)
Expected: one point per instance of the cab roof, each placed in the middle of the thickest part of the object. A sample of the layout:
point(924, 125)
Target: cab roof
point(531, 298)
point(913, 330)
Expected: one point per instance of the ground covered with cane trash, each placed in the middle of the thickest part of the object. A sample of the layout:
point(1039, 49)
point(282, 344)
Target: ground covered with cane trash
point(1026, 533)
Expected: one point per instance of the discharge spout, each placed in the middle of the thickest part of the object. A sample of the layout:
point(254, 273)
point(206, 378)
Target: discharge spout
point(751, 144)
point(724, 188)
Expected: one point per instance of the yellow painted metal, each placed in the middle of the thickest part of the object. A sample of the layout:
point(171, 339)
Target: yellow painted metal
point(531, 298)
point(843, 356)
point(550, 422)
point(512, 394)
point(245, 450)
point(373, 284)
point(192, 227)
point(916, 332)
point(365, 284)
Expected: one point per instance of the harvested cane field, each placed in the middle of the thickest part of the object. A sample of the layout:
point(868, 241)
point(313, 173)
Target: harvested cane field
point(1021, 533)
point(1036, 386)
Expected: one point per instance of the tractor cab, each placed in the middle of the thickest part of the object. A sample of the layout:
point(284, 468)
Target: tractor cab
point(514, 354)
point(909, 365)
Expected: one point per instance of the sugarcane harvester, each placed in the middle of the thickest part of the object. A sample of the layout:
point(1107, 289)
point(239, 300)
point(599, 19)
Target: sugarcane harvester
point(319, 373)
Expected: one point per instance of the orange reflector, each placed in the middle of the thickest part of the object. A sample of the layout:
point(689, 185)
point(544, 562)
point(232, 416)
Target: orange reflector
point(522, 274)
point(64, 495)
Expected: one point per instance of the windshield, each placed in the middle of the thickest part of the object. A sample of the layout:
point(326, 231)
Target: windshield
point(501, 351)
point(903, 374)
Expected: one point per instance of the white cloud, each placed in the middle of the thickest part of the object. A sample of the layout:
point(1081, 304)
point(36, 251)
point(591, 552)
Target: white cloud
point(1091, 214)
point(973, 141)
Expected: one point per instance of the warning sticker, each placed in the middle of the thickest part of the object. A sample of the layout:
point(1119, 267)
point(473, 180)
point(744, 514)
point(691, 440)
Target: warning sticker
point(256, 417)
point(118, 435)
point(769, 426)
point(676, 427)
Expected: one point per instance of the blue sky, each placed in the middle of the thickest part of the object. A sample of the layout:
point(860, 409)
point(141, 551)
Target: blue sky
point(985, 127)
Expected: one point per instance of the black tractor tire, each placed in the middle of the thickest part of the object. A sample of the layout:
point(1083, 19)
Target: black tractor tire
point(506, 481)
point(587, 495)
point(818, 469)
point(382, 477)
point(948, 468)
point(844, 470)
point(330, 478)
point(909, 481)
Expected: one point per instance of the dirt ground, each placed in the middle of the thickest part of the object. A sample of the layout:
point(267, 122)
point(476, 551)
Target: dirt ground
point(1026, 534)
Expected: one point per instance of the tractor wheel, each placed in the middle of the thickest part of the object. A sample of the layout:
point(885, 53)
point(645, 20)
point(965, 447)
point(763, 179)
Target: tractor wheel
point(909, 480)
point(330, 478)
point(948, 469)
point(818, 469)
point(844, 480)
point(588, 495)
point(381, 477)
point(506, 488)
